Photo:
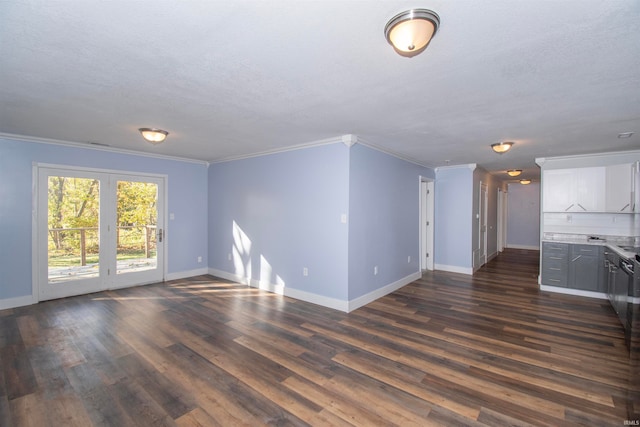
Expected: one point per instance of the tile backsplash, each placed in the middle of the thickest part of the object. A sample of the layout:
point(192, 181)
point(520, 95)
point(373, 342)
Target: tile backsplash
point(606, 224)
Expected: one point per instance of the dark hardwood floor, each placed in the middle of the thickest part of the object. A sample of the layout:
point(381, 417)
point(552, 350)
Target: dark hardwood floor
point(448, 349)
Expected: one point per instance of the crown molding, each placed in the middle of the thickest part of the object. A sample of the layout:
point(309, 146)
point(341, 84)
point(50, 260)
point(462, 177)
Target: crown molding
point(392, 153)
point(318, 143)
point(471, 166)
point(97, 147)
point(540, 161)
point(349, 140)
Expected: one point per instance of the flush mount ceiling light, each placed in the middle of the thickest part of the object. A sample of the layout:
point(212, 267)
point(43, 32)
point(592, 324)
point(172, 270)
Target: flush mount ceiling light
point(525, 181)
point(501, 147)
point(154, 136)
point(411, 31)
point(514, 172)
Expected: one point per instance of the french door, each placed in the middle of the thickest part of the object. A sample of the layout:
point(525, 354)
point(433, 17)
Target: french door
point(97, 230)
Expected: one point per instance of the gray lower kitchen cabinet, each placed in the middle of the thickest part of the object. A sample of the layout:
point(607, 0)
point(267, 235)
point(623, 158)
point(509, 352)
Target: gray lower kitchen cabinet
point(555, 268)
point(586, 268)
point(573, 266)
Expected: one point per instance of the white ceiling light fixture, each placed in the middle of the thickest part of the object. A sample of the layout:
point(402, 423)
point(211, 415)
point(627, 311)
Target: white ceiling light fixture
point(502, 147)
point(514, 172)
point(411, 31)
point(153, 135)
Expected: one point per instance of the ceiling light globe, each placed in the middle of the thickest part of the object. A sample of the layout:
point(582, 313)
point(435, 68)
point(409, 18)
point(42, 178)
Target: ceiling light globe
point(501, 147)
point(154, 136)
point(410, 32)
point(514, 172)
point(525, 181)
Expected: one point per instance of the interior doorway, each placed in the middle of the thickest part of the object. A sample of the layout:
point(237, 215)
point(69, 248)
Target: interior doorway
point(426, 223)
point(96, 230)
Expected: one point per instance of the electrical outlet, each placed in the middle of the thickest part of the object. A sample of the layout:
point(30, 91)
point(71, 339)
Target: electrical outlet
point(409, 259)
point(375, 270)
point(305, 271)
point(199, 259)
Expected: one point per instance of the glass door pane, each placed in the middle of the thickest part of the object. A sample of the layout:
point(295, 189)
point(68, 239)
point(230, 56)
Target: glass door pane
point(96, 231)
point(73, 228)
point(136, 226)
point(136, 243)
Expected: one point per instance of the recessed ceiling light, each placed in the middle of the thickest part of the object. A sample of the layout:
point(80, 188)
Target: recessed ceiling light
point(625, 135)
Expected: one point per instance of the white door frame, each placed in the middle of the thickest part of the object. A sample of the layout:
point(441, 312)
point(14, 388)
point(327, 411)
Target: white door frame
point(500, 219)
point(427, 224)
point(39, 215)
point(482, 224)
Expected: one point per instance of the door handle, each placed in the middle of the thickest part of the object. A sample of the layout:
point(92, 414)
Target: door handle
point(160, 235)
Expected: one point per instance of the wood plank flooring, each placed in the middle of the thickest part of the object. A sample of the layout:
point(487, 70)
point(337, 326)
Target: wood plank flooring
point(448, 349)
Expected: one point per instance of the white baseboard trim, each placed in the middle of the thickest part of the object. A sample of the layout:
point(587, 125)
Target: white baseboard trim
point(17, 302)
point(334, 303)
point(283, 290)
point(577, 292)
point(184, 274)
point(380, 292)
point(328, 302)
point(229, 276)
point(454, 269)
point(533, 248)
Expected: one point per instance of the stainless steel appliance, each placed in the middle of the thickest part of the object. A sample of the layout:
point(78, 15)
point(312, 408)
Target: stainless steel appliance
point(620, 287)
point(624, 287)
point(634, 313)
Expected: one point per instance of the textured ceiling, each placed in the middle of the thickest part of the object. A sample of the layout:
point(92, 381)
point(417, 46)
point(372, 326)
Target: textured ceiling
point(234, 78)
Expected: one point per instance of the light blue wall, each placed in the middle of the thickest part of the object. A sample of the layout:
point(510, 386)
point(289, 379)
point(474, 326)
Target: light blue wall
point(187, 189)
point(453, 217)
point(523, 215)
point(383, 220)
point(288, 206)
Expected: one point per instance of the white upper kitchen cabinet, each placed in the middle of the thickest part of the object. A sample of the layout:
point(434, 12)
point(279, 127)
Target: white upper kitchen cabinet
point(574, 190)
point(619, 188)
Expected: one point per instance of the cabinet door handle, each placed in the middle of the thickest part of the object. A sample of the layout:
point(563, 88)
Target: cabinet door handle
point(582, 207)
point(556, 269)
point(576, 258)
point(554, 257)
point(554, 280)
point(625, 207)
point(569, 207)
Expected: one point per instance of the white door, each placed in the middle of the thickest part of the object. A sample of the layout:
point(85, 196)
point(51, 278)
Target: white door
point(97, 230)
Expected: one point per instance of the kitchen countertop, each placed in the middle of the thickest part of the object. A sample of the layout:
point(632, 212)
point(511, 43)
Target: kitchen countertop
point(615, 244)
